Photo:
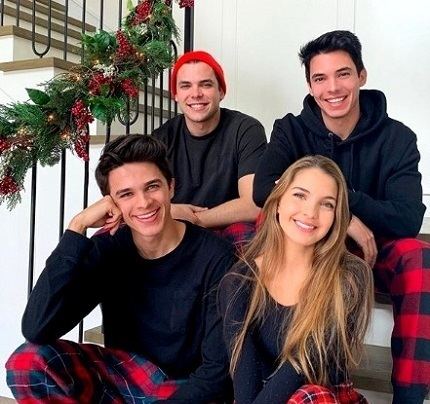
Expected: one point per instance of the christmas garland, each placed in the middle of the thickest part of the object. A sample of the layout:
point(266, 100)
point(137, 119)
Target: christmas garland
point(114, 67)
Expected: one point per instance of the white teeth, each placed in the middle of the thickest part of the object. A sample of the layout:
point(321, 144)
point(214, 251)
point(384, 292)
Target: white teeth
point(147, 215)
point(334, 100)
point(304, 225)
point(197, 106)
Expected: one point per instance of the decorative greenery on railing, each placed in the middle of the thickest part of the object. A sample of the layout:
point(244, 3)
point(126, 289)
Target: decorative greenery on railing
point(115, 65)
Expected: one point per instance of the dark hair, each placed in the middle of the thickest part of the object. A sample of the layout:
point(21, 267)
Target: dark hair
point(131, 149)
point(329, 42)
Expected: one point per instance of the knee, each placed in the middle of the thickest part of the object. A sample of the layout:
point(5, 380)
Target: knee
point(312, 394)
point(28, 357)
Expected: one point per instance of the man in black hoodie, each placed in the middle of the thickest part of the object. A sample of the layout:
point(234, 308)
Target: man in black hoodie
point(379, 159)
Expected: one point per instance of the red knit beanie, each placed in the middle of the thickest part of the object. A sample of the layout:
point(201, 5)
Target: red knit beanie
point(201, 56)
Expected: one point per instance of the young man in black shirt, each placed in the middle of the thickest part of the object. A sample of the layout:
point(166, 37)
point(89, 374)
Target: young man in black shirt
point(213, 151)
point(155, 279)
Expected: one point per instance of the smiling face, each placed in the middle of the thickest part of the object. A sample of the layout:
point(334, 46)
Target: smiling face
point(199, 95)
point(307, 208)
point(335, 85)
point(143, 195)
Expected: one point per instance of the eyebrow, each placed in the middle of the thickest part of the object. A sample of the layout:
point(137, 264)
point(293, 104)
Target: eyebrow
point(342, 69)
point(306, 191)
point(147, 184)
point(204, 81)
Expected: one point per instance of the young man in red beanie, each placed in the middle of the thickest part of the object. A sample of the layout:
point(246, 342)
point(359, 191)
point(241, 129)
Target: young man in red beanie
point(213, 151)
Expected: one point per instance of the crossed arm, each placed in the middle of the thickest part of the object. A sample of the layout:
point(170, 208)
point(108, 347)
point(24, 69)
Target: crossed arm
point(241, 209)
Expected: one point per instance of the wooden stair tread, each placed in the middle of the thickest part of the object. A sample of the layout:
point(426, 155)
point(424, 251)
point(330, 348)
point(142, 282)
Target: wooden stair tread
point(94, 335)
point(54, 4)
point(29, 64)
point(55, 13)
point(41, 22)
point(373, 373)
point(40, 39)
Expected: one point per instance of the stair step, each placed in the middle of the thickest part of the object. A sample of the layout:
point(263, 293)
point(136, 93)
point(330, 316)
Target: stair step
point(40, 22)
point(29, 64)
point(425, 230)
point(23, 33)
point(94, 335)
point(57, 12)
point(374, 372)
point(6, 400)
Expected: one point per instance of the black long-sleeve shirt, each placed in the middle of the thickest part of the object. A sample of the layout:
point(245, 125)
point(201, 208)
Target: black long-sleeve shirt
point(257, 379)
point(164, 308)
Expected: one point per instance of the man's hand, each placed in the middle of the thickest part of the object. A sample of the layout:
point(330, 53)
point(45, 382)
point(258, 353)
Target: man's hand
point(186, 212)
point(364, 237)
point(103, 213)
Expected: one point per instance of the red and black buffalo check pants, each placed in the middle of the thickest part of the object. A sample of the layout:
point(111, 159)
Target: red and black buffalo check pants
point(402, 270)
point(314, 394)
point(69, 373)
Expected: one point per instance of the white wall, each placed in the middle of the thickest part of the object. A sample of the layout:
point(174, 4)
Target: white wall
point(257, 43)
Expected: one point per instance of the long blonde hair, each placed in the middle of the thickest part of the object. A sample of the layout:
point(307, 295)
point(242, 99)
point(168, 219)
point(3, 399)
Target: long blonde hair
point(331, 318)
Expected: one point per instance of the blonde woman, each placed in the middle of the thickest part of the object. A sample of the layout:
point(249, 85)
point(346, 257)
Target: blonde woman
point(296, 307)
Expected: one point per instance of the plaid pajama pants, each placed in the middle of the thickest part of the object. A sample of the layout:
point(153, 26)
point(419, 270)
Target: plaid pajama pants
point(69, 373)
point(402, 270)
point(314, 394)
point(238, 233)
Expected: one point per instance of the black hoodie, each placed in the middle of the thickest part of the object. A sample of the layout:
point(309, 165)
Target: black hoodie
point(379, 160)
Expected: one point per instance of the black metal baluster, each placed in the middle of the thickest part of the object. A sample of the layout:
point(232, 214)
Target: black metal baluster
point(33, 29)
point(85, 204)
point(161, 82)
point(66, 28)
point(120, 14)
point(86, 164)
point(62, 193)
point(83, 27)
point(153, 104)
point(189, 29)
point(32, 229)
point(174, 49)
point(2, 13)
point(108, 132)
point(102, 6)
point(145, 108)
point(18, 7)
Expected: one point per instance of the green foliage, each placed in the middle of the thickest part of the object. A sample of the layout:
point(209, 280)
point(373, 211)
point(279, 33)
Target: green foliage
point(37, 96)
point(56, 117)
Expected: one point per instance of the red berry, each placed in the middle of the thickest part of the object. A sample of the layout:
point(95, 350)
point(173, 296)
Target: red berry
point(8, 186)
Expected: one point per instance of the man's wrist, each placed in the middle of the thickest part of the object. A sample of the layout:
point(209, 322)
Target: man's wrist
point(77, 226)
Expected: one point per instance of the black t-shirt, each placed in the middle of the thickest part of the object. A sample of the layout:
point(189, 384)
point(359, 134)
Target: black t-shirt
point(207, 168)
